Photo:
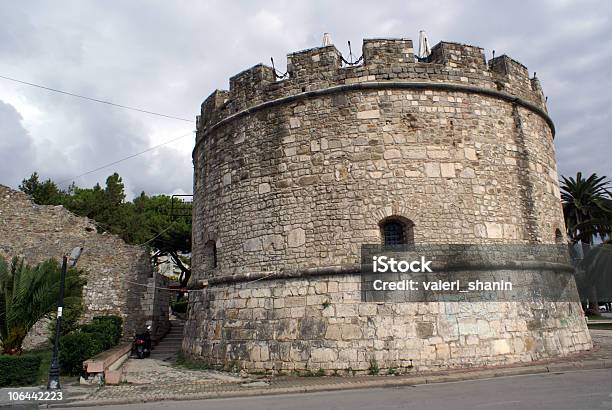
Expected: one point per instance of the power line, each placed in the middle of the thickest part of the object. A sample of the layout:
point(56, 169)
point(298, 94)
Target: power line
point(94, 99)
point(124, 158)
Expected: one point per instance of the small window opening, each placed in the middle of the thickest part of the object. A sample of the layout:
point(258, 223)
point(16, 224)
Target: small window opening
point(397, 231)
point(558, 236)
point(211, 254)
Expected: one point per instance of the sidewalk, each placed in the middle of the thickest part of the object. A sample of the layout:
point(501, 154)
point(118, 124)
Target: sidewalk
point(193, 384)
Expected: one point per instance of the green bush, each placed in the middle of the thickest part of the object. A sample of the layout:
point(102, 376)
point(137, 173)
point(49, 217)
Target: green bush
point(107, 329)
point(180, 306)
point(115, 321)
point(75, 348)
point(19, 370)
point(70, 320)
point(102, 332)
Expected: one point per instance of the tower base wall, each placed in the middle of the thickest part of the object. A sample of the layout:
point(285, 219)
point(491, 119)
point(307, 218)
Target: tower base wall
point(315, 325)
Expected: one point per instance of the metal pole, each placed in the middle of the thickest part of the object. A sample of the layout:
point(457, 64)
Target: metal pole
point(54, 372)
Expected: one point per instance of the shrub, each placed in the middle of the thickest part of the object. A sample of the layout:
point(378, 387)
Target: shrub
point(179, 306)
point(374, 369)
point(19, 370)
point(76, 348)
point(102, 332)
point(115, 321)
point(70, 320)
point(107, 329)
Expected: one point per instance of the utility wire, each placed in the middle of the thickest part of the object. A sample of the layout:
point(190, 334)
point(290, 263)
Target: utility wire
point(93, 99)
point(157, 236)
point(125, 158)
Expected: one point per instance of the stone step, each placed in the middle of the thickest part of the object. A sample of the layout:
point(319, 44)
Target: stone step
point(176, 342)
point(168, 345)
point(165, 352)
point(172, 346)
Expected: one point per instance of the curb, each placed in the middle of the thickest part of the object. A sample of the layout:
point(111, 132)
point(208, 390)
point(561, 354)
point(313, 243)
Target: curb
point(384, 381)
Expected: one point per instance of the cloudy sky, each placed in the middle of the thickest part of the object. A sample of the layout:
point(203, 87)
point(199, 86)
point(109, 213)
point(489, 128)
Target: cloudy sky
point(168, 56)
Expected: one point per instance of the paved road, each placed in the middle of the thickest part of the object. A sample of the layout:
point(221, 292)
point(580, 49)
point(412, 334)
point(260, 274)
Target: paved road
point(572, 390)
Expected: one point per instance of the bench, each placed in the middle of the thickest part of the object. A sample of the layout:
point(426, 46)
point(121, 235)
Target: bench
point(107, 364)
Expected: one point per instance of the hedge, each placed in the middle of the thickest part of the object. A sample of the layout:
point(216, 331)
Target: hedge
point(19, 370)
point(75, 348)
point(101, 334)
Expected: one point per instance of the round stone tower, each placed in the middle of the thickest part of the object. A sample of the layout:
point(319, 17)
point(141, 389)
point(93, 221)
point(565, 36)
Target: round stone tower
point(292, 176)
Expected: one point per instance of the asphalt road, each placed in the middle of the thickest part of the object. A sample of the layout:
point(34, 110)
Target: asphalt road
point(571, 390)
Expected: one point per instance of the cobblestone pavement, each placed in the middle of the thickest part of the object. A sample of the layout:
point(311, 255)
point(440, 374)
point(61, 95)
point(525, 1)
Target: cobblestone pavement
point(153, 380)
point(152, 371)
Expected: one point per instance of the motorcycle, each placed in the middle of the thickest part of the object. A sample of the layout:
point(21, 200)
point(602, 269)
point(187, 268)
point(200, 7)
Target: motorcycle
point(141, 345)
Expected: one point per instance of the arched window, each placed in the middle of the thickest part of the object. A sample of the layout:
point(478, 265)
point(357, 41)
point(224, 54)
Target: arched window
point(396, 230)
point(558, 236)
point(210, 254)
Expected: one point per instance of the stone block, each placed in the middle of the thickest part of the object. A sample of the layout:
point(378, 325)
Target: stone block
point(323, 355)
point(350, 332)
point(296, 237)
point(252, 245)
point(501, 346)
point(366, 115)
point(447, 170)
point(432, 169)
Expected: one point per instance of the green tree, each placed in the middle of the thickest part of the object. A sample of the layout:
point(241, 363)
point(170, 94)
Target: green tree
point(166, 234)
point(146, 220)
point(43, 193)
point(587, 207)
point(115, 190)
point(27, 294)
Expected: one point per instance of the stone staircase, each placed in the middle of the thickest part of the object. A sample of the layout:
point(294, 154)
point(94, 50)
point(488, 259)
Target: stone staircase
point(168, 347)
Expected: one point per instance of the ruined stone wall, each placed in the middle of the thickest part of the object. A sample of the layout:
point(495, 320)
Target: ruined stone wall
point(113, 268)
point(297, 174)
point(158, 302)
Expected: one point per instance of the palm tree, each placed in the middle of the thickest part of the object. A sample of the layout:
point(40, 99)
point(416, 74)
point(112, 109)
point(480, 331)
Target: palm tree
point(587, 207)
point(27, 294)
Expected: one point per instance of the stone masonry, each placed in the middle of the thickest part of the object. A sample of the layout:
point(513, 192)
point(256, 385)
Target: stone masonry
point(115, 271)
point(293, 176)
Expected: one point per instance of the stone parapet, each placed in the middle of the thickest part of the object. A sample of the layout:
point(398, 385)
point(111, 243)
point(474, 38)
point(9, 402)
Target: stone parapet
point(383, 59)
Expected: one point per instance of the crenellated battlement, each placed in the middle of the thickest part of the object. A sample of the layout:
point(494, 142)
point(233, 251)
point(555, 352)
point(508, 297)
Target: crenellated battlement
point(387, 52)
point(322, 62)
point(392, 60)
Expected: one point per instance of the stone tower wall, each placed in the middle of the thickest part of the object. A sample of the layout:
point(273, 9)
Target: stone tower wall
point(291, 173)
point(293, 176)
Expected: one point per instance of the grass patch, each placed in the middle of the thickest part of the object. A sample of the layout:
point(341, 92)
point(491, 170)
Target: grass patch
point(190, 364)
point(318, 373)
point(374, 369)
point(600, 326)
point(46, 355)
point(594, 318)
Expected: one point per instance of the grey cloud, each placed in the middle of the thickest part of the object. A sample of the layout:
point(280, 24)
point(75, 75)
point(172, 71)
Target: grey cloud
point(168, 57)
point(16, 147)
